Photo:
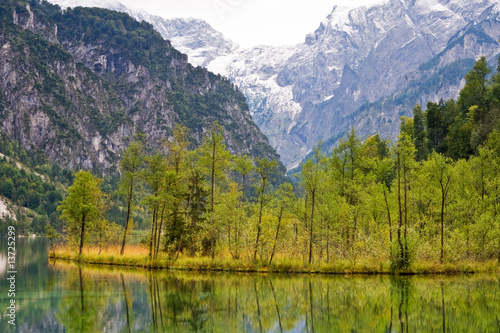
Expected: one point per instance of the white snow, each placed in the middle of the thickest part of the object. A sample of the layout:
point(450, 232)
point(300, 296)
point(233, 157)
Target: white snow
point(429, 6)
point(339, 18)
point(327, 98)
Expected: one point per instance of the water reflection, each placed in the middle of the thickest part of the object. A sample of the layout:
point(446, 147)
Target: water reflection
point(64, 297)
point(188, 302)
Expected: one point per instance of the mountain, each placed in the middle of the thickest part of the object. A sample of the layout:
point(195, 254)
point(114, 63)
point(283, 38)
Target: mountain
point(363, 67)
point(77, 85)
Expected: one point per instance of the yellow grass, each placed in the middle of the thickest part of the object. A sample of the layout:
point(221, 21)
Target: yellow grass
point(137, 256)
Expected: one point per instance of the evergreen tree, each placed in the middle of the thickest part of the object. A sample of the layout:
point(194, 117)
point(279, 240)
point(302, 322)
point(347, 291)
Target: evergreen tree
point(419, 133)
point(474, 89)
point(437, 126)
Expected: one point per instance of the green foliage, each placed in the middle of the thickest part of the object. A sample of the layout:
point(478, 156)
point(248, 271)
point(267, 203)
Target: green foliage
point(52, 235)
point(130, 168)
point(458, 128)
point(39, 192)
point(83, 208)
point(419, 133)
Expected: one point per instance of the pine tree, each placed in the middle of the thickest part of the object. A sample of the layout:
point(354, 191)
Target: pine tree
point(419, 133)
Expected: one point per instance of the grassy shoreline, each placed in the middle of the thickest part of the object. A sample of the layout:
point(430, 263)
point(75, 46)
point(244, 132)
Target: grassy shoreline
point(137, 256)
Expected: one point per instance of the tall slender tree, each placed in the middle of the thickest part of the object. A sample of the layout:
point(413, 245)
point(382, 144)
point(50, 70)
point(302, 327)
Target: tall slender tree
point(311, 177)
point(265, 169)
point(405, 159)
point(83, 206)
point(154, 176)
point(130, 167)
point(215, 159)
point(440, 171)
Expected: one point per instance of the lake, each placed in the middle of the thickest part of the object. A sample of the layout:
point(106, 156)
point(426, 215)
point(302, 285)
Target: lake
point(64, 297)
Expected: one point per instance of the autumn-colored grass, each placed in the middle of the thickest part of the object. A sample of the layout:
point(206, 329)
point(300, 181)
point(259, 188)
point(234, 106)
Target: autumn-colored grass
point(137, 256)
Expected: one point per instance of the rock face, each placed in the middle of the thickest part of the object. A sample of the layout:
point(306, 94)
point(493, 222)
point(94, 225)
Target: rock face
point(363, 67)
point(79, 84)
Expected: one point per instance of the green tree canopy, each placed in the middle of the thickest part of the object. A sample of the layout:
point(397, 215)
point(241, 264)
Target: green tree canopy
point(83, 206)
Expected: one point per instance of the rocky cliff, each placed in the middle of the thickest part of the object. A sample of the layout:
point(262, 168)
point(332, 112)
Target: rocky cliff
point(78, 84)
point(362, 67)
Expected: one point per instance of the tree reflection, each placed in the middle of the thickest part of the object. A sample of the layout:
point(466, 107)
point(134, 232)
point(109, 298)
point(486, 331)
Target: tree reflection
point(402, 292)
point(95, 300)
point(79, 313)
point(126, 302)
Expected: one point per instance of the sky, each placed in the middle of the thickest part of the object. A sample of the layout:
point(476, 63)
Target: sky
point(251, 22)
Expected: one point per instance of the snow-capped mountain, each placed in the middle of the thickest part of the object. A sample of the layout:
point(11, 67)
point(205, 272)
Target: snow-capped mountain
point(362, 67)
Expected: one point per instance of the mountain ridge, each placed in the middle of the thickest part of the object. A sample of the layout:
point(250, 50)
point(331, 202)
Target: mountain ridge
point(304, 93)
point(79, 92)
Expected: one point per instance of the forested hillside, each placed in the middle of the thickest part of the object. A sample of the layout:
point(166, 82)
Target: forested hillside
point(31, 188)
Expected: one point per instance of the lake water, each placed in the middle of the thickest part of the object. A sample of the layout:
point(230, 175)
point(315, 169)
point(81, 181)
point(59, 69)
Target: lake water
point(63, 297)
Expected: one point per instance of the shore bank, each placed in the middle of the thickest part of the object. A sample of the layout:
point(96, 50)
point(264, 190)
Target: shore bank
point(137, 256)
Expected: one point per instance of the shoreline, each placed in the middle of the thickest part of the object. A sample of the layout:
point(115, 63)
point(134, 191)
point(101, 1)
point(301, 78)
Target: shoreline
point(279, 266)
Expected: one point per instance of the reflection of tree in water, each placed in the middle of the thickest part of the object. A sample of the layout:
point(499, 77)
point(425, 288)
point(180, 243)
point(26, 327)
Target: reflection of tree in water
point(191, 302)
point(402, 292)
point(127, 304)
point(180, 304)
point(79, 312)
point(93, 300)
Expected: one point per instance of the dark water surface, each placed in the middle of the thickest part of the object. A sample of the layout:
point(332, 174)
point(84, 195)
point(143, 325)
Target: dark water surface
point(63, 297)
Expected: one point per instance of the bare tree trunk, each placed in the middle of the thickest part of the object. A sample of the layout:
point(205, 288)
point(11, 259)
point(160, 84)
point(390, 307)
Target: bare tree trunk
point(152, 233)
point(406, 217)
point(442, 226)
point(276, 237)
point(388, 215)
point(400, 208)
point(212, 192)
point(276, 304)
point(260, 219)
point(311, 227)
point(82, 233)
point(160, 229)
point(126, 302)
point(129, 203)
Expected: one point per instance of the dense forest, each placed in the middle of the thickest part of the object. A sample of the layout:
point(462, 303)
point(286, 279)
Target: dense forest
point(434, 194)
